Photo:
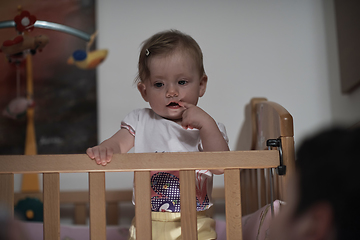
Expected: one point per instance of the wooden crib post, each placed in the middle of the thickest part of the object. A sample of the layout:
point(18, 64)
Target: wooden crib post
point(288, 150)
point(97, 205)
point(7, 193)
point(188, 205)
point(233, 204)
point(51, 198)
point(142, 206)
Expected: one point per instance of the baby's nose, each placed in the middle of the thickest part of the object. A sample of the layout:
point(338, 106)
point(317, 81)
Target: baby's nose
point(172, 92)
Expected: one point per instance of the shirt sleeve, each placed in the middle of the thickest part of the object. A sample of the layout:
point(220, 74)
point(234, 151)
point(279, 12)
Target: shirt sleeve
point(130, 121)
point(223, 132)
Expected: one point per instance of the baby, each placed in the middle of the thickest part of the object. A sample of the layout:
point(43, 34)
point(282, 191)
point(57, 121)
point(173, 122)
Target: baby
point(171, 79)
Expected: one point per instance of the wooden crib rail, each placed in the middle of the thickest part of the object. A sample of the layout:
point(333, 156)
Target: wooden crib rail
point(136, 162)
point(269, 120)
point(141, 164)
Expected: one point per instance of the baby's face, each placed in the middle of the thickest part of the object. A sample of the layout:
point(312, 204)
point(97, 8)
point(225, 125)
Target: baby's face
point(173, 79)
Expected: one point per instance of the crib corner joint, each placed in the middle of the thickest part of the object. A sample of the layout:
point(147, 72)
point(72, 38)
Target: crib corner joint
point(281, 169)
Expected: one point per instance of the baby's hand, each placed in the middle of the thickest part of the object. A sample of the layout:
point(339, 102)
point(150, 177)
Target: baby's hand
point(102, 155)
point(195, 117)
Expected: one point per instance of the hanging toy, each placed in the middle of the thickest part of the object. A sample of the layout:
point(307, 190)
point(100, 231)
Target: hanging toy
point(25, 21)
point(18, 47)
point(88, 59)
point(16, 109)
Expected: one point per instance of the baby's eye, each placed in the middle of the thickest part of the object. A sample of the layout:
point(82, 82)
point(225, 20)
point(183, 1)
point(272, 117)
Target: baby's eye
point(182, 82)
point(158, 84)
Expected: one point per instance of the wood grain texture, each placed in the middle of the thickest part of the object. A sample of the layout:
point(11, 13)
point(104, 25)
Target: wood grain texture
point(233, 204)
point(7, 193)
point(254, 117)
point(142, 206)
point(51, 196)
point(188, 205)
point(289, 161)
point(273, 121)
point(140, 162)
point(80, 214)
point(97, 205)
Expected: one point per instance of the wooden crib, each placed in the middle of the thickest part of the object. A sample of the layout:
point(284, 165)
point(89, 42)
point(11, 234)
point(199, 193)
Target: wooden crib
point(246, 177)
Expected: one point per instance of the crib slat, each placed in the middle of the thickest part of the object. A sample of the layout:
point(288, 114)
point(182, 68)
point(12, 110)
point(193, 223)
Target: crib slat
point(97, 205)
point(253, 190)
point(112, 213)
point(142, 206)
point(51, 196)
point(188, 205)
point(7, 192)
point(80, 213)
point(261, 175)
point(233, 204)
point(289, 161)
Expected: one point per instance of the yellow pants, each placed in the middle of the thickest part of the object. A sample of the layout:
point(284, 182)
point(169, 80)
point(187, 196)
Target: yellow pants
point(167, 226)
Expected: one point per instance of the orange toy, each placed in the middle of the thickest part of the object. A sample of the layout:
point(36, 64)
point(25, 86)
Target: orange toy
point(22, 43)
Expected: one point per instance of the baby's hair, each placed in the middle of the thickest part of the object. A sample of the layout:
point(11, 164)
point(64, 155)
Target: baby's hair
point(164, 43)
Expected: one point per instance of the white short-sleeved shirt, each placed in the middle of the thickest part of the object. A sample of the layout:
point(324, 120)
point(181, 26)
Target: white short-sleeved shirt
point(156, 134)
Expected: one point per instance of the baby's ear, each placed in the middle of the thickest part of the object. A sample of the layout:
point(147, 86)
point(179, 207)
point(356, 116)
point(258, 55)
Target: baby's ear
point(142, 89)
point(203, 84)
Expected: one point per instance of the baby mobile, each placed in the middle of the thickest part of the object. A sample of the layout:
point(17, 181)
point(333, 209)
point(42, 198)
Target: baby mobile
point(18, 51)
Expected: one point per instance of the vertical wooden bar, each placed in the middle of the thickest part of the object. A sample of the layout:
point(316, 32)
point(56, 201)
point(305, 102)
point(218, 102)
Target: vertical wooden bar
point(51, 198)
point(253, 191)
point(288, 150)
point(243, 191)
point(188, 205)
point(263, 187)
point(276, 185)
point(233, 204)
point(112, 213)
point(97, 205)
point(267, 184)
point(247, 187)
point(80, 213)
point(7, 193)
point(142, 206)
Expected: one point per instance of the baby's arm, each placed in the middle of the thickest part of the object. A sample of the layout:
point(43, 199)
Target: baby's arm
point(120, 142)
point(211, 137)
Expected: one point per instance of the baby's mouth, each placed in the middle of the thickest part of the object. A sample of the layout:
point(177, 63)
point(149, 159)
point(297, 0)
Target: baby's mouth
point(173, 105)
